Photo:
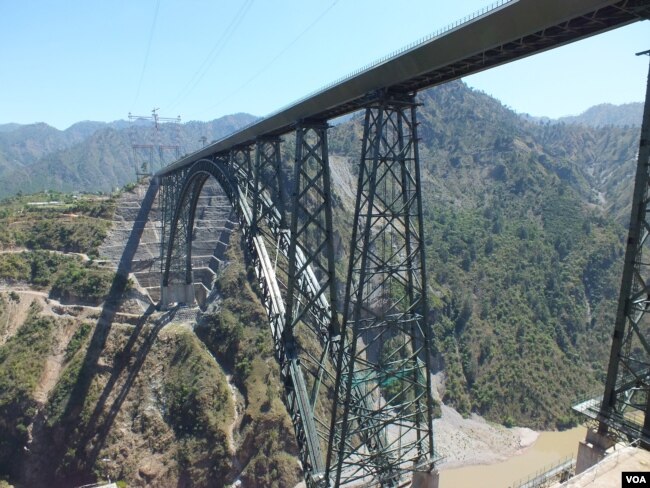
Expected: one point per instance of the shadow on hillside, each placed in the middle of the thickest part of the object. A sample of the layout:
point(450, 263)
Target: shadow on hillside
point(74, 407)
point(131, 360)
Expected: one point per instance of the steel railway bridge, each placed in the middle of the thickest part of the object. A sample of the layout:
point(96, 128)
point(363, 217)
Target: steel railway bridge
point(356, 370)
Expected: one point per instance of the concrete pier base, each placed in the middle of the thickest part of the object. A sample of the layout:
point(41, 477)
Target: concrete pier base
point(178, 293)
point(592, 450)
point(425, 479)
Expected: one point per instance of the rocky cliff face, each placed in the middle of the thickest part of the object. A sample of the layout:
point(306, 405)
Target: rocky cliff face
point(122, 391)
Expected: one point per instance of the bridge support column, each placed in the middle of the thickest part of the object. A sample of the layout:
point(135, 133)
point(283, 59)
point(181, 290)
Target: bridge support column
point(239, 159)
point(311, 280)
point(176, 293)
point(312, 235)
point(627, 387)
point(592, 450)
point(385, 423)
point(268, 178)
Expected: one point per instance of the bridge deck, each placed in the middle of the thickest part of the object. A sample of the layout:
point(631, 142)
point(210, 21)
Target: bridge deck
point(510, 31)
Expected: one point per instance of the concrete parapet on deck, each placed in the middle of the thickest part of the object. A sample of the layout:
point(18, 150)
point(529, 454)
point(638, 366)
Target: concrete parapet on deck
point(607, 473)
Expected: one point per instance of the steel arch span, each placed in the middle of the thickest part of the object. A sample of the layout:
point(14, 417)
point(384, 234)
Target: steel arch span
point(358, 392)
point(176, 247)
point(179, 196)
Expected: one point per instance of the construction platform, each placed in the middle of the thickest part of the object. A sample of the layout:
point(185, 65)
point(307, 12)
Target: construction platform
point(624, 426)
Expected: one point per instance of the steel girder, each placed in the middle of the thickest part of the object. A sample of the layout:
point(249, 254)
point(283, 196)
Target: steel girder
point(592, 22)
point(383, 427)
point(626, 402)
point(506, 33)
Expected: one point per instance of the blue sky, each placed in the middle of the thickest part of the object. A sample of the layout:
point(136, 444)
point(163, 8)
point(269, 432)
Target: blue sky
point(66, 61)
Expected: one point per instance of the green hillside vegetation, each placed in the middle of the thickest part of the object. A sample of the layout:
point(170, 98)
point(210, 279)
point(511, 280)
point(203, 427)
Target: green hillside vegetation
point(628, 114)
point(238, 335)
point(66, 277)
point(48, 226)
point(524, 258)
point(22, 360)
point(526, 267)
point(19, 145)
point(105, 416)
point(187, 426)
point(94, 156)
point(200, 411)
point(190, 431)
point(56, 221)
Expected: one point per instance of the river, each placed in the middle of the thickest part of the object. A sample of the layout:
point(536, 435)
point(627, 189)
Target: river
point(549, 449)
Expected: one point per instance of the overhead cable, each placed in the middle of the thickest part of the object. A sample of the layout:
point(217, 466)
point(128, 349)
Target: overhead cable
point(146, 56)
point(277, 56)
point(213, 54)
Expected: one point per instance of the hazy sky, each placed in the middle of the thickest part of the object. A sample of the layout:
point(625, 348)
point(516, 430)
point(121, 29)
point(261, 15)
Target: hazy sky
point(66, 61)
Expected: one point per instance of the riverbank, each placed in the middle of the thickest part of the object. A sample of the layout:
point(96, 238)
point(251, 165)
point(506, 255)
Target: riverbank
point(477, 453)
point(473, 440)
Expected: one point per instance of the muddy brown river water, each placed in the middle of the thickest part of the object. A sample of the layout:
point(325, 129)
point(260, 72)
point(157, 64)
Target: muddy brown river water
point(549, 449)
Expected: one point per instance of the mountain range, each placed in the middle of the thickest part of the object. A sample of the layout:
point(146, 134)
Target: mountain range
point(628, 114)
point(98, 156)
point(524, 225)
point(95, 156)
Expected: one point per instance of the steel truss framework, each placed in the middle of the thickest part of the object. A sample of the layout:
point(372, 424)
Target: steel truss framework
point(229, 171)
point(626, 401)
point(361, 404)
point(387, 429)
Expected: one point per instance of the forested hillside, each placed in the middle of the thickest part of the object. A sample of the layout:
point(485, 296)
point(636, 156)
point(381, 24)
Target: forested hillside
point(606, 114)
point(95, 387)
point(94, 156)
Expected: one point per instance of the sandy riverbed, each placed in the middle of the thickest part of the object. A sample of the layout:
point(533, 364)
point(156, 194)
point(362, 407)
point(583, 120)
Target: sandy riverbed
point(466, 441)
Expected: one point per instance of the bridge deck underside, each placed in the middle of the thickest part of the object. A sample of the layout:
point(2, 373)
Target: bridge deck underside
point(572, 30)
point(513, 31)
